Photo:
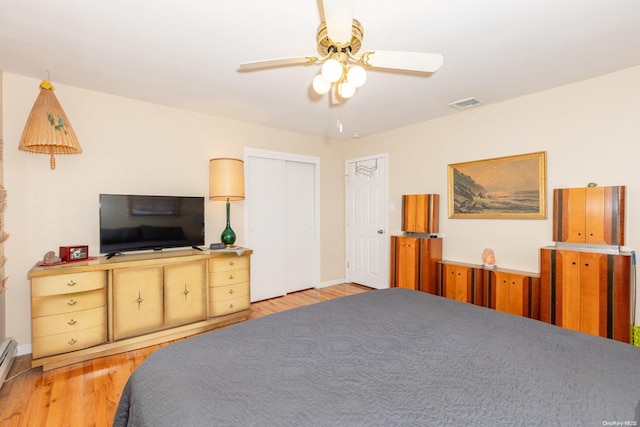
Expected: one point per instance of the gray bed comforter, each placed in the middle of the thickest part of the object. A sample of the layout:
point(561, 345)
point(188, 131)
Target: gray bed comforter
point(386, 357)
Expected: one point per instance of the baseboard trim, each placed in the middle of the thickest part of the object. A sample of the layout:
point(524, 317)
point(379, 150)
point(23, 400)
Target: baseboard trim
point(332, 283)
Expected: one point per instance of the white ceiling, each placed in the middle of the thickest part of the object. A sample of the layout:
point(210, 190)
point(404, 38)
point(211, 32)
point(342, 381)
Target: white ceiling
point(185, 54)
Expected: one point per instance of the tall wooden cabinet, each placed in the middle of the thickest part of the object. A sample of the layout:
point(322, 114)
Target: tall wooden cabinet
point(587, 292)
point(105, 306)
point(415, 255)
point(585, 279)
point(414, 262)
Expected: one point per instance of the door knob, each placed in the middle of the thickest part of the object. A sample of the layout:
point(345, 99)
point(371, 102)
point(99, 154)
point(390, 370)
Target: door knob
point(380, 231)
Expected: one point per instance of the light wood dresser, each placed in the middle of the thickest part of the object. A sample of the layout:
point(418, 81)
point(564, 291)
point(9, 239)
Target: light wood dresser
point(99, 307)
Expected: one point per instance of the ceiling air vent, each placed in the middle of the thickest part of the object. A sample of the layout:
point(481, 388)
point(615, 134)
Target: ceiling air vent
point(463, 104)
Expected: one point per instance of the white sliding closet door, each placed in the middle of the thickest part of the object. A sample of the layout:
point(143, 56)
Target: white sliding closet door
point(299, 225)
point(281, 223)
point(265, 193)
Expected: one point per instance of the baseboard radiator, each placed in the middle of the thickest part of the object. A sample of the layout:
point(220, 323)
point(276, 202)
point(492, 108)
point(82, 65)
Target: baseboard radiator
point(8, 351)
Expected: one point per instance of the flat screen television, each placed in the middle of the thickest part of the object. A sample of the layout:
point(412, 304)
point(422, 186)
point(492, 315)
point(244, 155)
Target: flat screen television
point(138, 222)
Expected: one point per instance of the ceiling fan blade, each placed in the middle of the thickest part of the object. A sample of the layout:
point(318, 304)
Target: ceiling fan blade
point(410, 61)
point(338, 14)
point(280, 62)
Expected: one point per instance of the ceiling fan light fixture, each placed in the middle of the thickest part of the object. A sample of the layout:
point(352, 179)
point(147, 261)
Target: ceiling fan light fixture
point(356, 76)
point(332, 70)
point(346, 90)
point(320, 85)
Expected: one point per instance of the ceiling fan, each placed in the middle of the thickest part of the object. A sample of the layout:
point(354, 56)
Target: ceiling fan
point(339, 39)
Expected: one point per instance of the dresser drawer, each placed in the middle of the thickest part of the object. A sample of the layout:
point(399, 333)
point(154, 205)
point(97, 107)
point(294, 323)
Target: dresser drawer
point(68, 283)
point(221, 293)
point(228, 306)
point(68, 322)
point(223, 278)
point(67, 303)
point(228, 263)
point(70, 341)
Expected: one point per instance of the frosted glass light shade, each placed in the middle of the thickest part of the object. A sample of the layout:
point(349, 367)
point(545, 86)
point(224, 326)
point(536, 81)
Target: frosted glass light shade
point(356, 76)
point(345, 90)
point(226, 179)
point(320, 85)
point(332, 70)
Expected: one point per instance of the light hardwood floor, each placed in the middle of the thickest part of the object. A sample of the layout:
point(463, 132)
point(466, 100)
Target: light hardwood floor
point(87, 393)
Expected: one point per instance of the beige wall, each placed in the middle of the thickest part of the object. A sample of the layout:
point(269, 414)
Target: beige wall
point(132, 147)
point(590, 131)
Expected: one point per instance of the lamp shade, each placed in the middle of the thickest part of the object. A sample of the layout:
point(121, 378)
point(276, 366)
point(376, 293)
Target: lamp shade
point(48, 129)
point(226, 179)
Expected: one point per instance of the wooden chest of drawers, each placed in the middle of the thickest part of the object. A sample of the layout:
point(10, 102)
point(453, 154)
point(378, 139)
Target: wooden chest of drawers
point(228, 285)
point(105, 306)
point(68, 312)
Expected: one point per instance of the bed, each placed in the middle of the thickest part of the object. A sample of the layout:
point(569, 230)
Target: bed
point(386, 357)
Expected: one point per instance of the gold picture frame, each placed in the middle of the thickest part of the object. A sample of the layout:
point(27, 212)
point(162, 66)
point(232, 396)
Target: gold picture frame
point(512, 187)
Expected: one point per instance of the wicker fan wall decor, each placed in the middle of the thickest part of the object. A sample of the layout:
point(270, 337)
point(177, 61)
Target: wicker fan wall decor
point(48, 130)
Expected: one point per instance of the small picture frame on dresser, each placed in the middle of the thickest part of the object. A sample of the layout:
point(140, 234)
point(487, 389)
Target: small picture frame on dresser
point(74, 253)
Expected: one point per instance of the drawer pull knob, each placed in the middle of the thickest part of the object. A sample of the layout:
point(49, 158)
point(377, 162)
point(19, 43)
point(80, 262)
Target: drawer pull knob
point(71, 283)
point(72, 302)
point(72, 322)
point(231, 263)
point(231, 277)
point(230, 305)
point(186, 292)
point(139, 300)
point(230, 291)
point(72, 341)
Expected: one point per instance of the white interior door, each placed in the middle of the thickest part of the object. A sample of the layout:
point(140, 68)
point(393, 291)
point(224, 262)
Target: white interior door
point(367, 222)
point(281, 222)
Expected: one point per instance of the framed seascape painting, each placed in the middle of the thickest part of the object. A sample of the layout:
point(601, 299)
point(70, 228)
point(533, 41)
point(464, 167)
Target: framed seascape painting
point(513, 187)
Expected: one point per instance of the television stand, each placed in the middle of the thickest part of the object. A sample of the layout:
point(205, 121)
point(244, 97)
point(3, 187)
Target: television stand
point(134, 301)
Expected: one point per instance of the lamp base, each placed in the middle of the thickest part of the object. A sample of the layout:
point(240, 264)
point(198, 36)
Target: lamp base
point(228, 237)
